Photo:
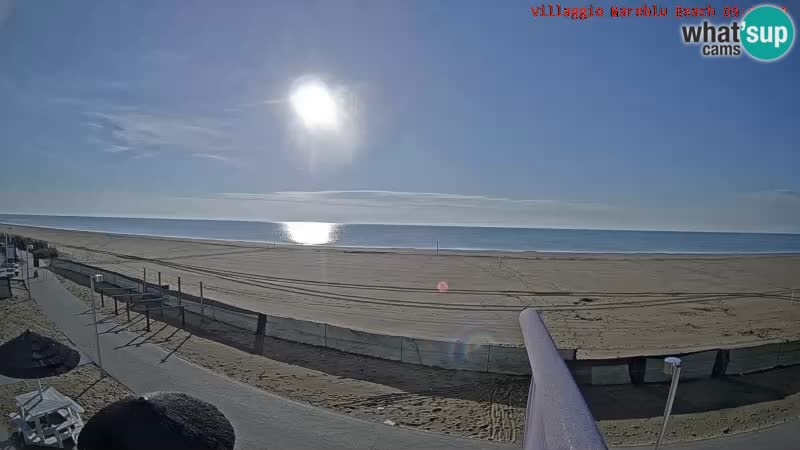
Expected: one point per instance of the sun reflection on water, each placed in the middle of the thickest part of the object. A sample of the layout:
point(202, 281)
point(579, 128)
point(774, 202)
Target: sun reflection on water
point(311, 233)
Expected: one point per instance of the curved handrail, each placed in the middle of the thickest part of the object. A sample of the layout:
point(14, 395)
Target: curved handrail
point(557, 415)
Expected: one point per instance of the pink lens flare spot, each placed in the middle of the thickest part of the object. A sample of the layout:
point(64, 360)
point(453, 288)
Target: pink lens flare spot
point(442, 286)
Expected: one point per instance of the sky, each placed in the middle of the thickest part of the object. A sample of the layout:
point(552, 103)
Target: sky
point(452, 112)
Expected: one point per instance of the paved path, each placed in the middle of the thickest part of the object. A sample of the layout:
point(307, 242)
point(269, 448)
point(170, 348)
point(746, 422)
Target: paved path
point(779, 437)
point(261, 420)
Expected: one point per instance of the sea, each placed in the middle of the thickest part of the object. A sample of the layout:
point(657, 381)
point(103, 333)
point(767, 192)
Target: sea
point(429, 236)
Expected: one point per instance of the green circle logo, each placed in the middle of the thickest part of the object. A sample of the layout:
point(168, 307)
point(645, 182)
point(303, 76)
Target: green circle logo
point(767, 33)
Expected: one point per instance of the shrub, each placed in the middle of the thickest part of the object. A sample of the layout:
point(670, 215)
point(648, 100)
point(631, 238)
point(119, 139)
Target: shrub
point(46, 253)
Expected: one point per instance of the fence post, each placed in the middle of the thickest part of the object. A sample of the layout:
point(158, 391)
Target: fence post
point(183, 310)
point(128, 308)
point(116, 310)
point(102, 298)
point(261, 326)
point(144, 278)
point(202, 306)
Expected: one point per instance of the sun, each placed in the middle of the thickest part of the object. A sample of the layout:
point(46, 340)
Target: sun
point(316, 106)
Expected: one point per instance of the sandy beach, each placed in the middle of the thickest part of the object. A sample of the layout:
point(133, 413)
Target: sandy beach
point(602, 305)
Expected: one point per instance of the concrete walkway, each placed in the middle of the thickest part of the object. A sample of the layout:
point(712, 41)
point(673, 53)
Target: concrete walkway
point(261, 420)
point(779, 437)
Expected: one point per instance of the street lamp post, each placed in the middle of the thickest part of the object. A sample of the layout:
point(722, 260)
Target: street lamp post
point(92, 280)
point(672, 366)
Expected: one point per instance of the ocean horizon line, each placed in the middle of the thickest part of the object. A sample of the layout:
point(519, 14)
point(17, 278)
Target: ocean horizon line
point(444, 225)
point(425, 237)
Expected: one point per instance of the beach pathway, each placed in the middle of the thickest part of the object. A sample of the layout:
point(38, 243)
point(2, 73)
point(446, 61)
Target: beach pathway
point(261, 420)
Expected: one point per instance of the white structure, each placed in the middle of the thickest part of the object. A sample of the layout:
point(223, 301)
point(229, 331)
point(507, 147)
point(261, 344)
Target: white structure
point(47, 418)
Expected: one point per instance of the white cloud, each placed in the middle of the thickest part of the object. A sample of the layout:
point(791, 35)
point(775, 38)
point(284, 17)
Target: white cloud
point(137, 129)
point(224, 159)
point(145, 134)
point(210, 156)
point(117, 149)
point(743, 213)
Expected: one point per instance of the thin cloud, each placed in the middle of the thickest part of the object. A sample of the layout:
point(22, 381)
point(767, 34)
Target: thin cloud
point(730, 214)
point(117, 149)
point(419, 199)
point(210, 156)
point(162, 132)
point(226, 160)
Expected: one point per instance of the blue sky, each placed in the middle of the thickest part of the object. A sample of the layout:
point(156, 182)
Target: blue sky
point(520, 121)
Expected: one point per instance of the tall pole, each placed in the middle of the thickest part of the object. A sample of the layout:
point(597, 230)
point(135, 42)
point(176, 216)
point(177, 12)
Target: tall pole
point(27, 264)
point(202, 306)
point(96, 333)
point(672, 365)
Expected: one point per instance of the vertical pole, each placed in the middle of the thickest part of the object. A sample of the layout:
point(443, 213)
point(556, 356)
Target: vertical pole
point(147, 315)
point(144, 278)
point(183, 311)
point(437, 248)
point(96, 334)
point(116, 311)
point(202, 306)
point(128, 307)
point(159, 281)
point(102, 298)
point(671, 365)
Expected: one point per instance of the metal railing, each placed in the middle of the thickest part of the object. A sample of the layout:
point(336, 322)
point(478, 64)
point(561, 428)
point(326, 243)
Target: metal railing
point(557, 416)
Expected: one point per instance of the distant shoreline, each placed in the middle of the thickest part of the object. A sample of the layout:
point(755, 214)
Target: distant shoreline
point(392, 249)
point(432, 225)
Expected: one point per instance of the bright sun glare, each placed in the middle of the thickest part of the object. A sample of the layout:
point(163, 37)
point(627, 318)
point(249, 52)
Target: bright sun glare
point(316, 106)
point(310, 233)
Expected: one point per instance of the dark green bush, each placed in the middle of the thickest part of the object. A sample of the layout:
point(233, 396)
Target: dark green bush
point(46, 253)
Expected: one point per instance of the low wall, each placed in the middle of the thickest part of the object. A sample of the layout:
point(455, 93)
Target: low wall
point(454, 355)
point(446, 355)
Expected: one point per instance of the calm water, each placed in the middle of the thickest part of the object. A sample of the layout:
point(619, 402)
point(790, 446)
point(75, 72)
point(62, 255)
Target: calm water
point(414, 236)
